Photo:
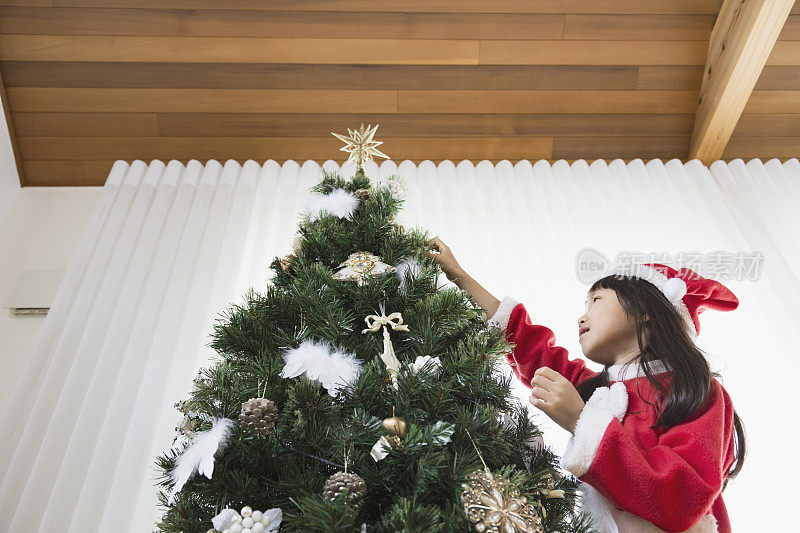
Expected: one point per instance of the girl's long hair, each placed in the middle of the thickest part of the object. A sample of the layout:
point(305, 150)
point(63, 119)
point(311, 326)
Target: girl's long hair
point(668, 339)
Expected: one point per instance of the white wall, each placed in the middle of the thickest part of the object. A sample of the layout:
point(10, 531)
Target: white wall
point(46, 226)
point(9, 179)
point(40, 228)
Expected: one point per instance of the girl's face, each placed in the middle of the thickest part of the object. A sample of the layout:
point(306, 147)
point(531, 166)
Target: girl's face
point(606, 334)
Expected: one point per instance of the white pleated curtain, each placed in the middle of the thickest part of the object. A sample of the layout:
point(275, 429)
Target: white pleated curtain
point(171, 247)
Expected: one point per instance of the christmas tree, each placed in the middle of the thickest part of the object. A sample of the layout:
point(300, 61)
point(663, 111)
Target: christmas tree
point(358, 394)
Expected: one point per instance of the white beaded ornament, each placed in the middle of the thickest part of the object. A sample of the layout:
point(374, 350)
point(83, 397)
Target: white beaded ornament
point(247, 521)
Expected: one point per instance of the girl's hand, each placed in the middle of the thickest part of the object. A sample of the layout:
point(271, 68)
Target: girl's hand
point(556, 397)
point(445, 258)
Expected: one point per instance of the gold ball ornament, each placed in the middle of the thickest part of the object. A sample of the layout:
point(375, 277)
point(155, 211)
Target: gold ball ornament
point(396, 426)
point(495, 505)
point(345, 482)
point(258, 416)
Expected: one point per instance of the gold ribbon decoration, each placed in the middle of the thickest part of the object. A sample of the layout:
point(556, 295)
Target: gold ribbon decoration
point(395, 320)
point(359, 265)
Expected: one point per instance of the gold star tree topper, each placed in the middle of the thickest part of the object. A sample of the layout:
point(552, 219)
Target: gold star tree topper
point(360, 145)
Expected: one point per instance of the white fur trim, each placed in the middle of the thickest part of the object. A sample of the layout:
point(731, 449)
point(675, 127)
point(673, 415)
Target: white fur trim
point(605, 404)
point(684, 311)
point(630, 523)
point(598, 508)
point(503, 313)
point(608, 518)
point(636, 270)
point(622, 372)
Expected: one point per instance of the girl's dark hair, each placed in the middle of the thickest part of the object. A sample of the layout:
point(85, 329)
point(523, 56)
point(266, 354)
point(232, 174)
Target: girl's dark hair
point(668, 339)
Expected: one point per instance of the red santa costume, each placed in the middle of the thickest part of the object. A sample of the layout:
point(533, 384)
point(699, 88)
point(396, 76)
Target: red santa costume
point(634, 478)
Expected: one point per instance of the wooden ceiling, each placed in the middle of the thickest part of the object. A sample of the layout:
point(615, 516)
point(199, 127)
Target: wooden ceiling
point(91, 81)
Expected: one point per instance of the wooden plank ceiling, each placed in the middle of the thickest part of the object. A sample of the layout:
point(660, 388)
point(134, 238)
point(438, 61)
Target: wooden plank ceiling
point(91, 81)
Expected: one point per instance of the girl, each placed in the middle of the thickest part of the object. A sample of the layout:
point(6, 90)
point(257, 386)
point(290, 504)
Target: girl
point(653, 435)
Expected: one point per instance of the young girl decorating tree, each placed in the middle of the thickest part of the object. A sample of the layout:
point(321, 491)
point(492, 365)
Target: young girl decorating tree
point(654, 436)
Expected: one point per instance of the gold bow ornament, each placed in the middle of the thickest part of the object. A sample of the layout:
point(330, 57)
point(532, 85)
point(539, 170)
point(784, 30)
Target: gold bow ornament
point(395, 320)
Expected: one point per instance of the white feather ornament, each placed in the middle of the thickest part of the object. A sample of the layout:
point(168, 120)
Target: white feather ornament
point(199, 455)
point(321, 362)
point(338, 202)
point(434, 363)
point(407, 265)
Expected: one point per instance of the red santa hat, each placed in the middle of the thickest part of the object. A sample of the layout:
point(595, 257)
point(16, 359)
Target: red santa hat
point(687, 290)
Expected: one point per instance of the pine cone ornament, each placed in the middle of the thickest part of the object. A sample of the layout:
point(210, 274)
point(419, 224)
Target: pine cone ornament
point(258, 416)
point(362, 194)
point(340, 482)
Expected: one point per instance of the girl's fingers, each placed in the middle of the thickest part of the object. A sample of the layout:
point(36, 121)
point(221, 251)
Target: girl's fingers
point(549, 374)
point(542, 382)
point(539, 393)
point(539, 403)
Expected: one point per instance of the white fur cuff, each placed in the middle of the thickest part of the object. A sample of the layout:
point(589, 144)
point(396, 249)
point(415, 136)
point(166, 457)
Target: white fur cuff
point(605, 404)
point(503, 314)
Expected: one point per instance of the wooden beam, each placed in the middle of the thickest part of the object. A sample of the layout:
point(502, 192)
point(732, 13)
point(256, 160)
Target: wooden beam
point(14, 147)
point(740, 43)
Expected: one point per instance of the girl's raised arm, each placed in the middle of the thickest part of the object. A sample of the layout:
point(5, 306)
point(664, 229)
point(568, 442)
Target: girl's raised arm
point(534, 346)
point(458, 275)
